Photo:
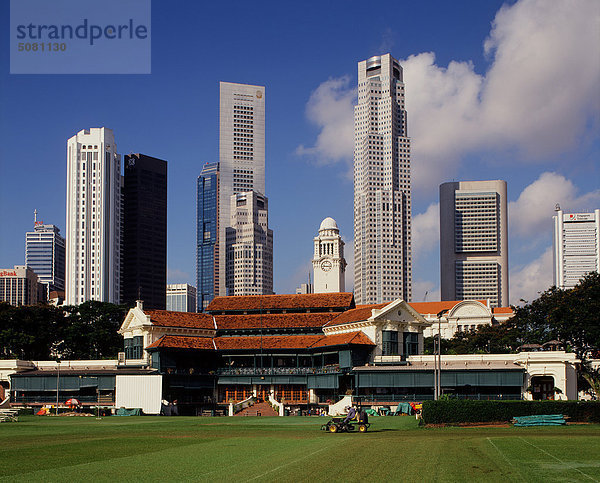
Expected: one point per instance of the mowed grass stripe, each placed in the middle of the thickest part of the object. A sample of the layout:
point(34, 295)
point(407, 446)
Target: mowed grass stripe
point(579, 455)
point(286, 449)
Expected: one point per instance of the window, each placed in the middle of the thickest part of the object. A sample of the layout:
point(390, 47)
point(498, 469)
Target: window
point(411, 343)
point(389, 345)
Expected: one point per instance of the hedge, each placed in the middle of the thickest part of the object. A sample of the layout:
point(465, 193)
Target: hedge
point(468, 411)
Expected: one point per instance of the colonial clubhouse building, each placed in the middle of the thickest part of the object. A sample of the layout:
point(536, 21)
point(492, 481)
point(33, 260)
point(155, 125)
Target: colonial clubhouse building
point(311, 349)
point(298, 352)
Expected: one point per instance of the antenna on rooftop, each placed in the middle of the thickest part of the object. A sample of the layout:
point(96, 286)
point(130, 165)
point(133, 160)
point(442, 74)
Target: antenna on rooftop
point(34, 216)
point(425, 298)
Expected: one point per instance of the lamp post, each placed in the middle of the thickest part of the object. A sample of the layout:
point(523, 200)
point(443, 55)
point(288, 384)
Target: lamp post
point(438, 358)
point(57, 382)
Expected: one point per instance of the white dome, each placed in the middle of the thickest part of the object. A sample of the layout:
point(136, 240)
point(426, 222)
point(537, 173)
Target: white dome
point(328, 224)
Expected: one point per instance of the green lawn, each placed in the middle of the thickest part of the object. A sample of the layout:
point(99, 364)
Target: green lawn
point(289, 449)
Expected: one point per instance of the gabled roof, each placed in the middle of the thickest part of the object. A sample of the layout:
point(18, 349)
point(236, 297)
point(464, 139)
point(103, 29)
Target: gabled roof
point(263, 303)
point(190, 320)
point(273, 321)
point(266, 342)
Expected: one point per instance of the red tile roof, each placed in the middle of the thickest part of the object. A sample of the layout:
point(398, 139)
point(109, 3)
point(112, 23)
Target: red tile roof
point(269, 321)
point(267, 342)
point(191, 320)
point(255, 303)
point(425, 308)
point(292, 341)
point(502, 310)
point(357, 338)
point(361, 312)
point(183, 342)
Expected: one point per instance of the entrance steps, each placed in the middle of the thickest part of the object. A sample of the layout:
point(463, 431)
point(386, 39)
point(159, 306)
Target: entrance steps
point(258, 409)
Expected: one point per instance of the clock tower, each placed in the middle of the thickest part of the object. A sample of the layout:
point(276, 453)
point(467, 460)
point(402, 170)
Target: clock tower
point(329, 265)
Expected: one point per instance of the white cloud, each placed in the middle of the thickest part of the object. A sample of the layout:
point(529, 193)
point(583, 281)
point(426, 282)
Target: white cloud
point(174, 275)
point(426, 231)
point(532, 213)
point(529, 281)
point(331, 107)
point(539, 97)
point(425, 291)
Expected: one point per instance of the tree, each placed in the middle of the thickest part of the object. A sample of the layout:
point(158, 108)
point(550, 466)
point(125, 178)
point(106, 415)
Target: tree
point(91, 330)
point(30, 331)
point(569, 316)
point(42, 332)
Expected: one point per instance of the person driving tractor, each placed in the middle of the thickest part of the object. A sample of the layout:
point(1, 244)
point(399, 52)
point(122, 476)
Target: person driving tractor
point(351, 413)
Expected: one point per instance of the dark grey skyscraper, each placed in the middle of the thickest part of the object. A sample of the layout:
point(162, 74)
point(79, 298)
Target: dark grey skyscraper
point(145, 231)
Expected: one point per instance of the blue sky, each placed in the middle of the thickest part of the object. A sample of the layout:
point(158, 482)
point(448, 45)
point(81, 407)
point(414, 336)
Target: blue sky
point(495, 90)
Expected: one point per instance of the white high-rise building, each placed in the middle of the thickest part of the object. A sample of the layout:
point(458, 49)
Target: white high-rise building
point(474, 241)
point(241, 158)
point(329, 264)
point(94, 217)
point(382, 192)
point(181, 297)
point(249, 246)
point(576, 246)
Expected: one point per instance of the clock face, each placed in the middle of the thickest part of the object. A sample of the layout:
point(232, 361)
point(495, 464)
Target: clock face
point(326, 265)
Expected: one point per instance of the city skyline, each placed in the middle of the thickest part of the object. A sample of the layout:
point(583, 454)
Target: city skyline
point(481, 98)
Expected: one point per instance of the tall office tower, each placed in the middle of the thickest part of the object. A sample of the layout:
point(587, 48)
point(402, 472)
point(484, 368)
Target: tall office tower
point(329, 264)
point(181, 297)
point(94, 217)
point(241, 156)
point(474, 241)
point(21, 286)
point(249, 246)
point(576, 246)
point(382, 193)
point(45, 255)
point(207, 235)
point(144, 231)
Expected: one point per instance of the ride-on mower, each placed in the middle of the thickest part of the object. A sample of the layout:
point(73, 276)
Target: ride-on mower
point(338, 425)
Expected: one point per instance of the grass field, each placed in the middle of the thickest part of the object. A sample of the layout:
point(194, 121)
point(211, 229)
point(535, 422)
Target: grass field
point(289, 449)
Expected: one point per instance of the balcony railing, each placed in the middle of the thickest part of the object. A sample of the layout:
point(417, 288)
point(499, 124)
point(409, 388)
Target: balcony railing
point(277, 371)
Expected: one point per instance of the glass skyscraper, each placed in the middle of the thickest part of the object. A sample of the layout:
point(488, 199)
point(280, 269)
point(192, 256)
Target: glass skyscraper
point(207, 236)
point(144, 252)
point(45, 255)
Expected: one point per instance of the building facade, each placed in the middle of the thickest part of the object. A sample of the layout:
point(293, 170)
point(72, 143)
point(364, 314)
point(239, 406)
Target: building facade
point(45, 255)
point(94, 218)
point(21, 286)
point(207, 235)
point(474, 241)
point(460, 316)
point(576, 246)
point(144, 231)
point(181, 297)
point(241, 156)
point(382, 187)
point(249, 253)
point(329, 264)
